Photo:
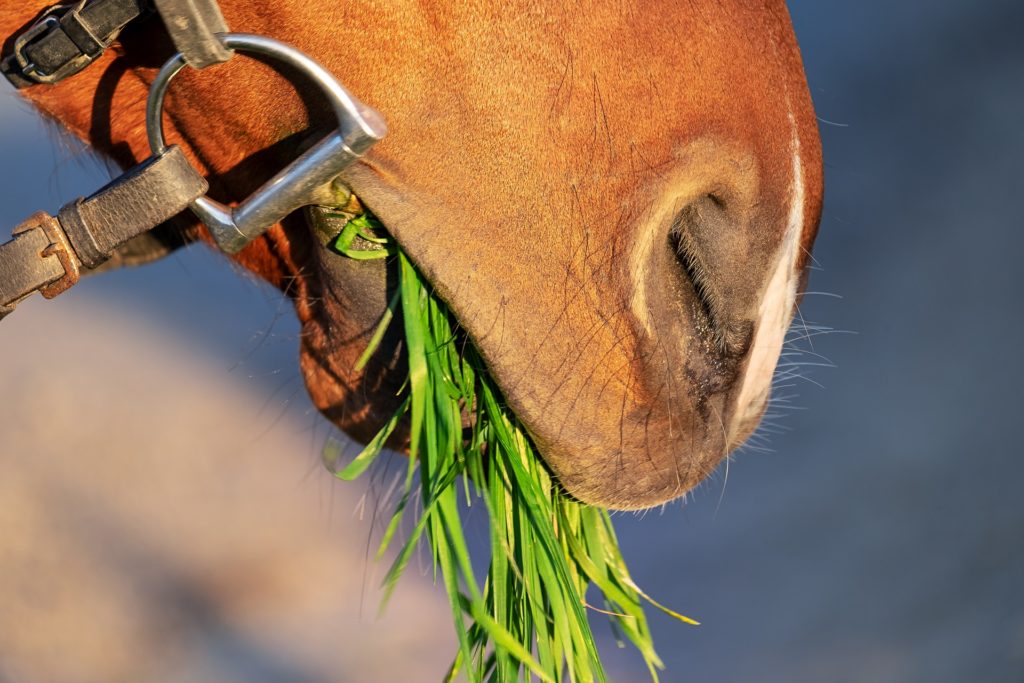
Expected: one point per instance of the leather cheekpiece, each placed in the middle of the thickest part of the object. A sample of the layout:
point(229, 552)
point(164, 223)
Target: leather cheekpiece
point(46, 254)
point(135, 203)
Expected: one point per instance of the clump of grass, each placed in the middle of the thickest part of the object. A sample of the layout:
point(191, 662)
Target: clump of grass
point(529, 618)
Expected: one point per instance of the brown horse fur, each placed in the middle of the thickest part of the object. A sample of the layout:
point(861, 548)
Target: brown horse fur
point(617, 200)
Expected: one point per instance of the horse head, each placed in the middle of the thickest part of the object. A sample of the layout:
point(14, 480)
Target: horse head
point(617, 201)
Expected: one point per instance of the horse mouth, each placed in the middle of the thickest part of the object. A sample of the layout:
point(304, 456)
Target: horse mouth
point(357, 401)
point(618, 443)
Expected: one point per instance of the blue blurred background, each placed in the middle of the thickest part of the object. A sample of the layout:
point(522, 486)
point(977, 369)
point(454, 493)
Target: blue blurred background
point(881, 536)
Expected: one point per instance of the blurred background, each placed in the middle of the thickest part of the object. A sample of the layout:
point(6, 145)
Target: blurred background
point(164, 516)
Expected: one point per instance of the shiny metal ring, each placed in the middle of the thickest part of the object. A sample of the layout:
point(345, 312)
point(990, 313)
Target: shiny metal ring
point(301, 183)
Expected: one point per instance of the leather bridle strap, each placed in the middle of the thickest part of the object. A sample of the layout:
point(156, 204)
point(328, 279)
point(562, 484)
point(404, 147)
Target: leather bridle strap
point(194, 25)
point(67, 38)
point(47, 253)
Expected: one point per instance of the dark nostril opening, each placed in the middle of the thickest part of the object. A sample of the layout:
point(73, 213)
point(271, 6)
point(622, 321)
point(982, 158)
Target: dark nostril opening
point(699, 237)
point(695, 271)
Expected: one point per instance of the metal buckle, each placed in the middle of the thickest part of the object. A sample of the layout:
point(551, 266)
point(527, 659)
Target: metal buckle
point(50, 21)
point(305, 181)
point(59, 247)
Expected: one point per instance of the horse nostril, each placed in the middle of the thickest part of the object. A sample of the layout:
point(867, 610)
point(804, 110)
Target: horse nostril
point(688, 257)
point(706, 241)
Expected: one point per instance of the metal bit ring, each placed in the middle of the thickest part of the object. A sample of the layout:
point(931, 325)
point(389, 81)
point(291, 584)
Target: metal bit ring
point(298, 185)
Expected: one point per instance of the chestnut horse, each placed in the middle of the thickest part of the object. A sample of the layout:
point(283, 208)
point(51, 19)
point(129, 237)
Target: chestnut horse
point(617, 200)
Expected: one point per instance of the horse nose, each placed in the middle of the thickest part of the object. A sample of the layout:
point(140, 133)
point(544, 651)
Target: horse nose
point(734, 227)
point(704, 249)
point(711, 269)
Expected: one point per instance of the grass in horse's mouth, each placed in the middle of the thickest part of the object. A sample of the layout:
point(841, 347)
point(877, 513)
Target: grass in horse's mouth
point(530, 616)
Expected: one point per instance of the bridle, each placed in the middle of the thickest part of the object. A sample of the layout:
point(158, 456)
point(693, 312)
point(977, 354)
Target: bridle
point(48, 253)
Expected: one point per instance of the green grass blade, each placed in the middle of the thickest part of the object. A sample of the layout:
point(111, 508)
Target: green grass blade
point(372, 449)
point(530, 618)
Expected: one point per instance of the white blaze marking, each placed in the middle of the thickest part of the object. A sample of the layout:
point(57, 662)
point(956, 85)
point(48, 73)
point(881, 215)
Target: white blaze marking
point(776, 312)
